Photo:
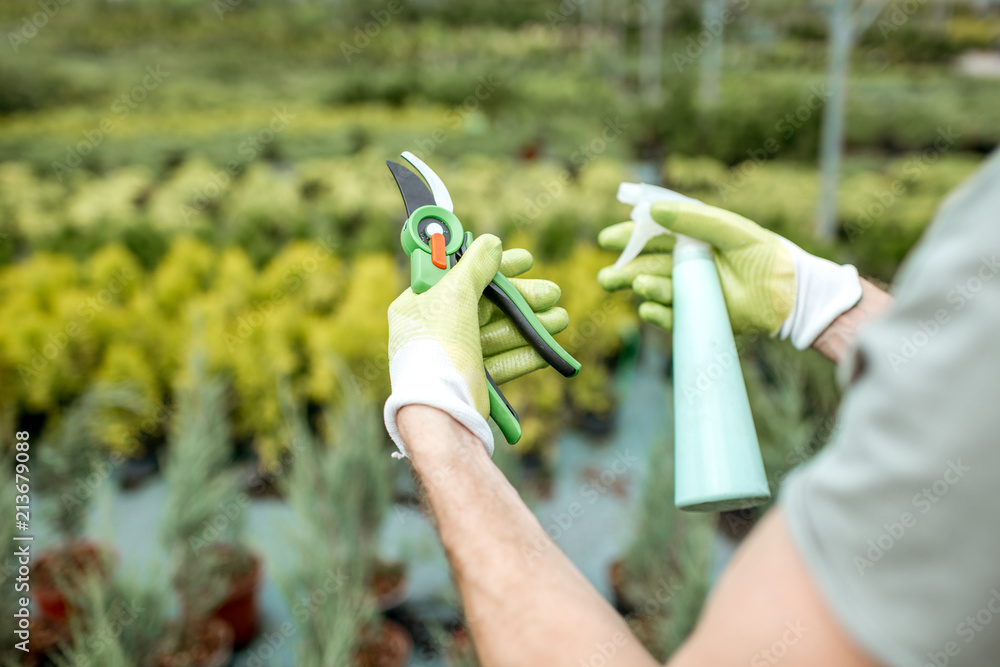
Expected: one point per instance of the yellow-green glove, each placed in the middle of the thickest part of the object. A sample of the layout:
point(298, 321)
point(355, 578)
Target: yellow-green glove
point(505, 351)
point(770, 284)
point(438, 339)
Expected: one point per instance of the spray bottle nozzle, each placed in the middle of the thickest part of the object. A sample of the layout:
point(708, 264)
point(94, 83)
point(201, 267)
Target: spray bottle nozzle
point(642, 196)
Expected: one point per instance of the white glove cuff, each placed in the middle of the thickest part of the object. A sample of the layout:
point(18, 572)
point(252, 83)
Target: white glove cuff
point(421, 373)
point(823, 291)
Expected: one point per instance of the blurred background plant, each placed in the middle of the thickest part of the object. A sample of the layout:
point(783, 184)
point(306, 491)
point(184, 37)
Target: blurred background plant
point(331, 567)
point(73, 446)
point(664, 575)
point(339, 491)
point(203, 528)
point(121, 623)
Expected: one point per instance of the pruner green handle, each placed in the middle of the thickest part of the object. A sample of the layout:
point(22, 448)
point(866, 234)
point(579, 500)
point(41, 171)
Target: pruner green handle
point(430, 259)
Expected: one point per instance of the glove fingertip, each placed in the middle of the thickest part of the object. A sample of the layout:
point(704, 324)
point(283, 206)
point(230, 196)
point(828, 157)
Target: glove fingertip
point(616, 236)
point(657, 314)
point(611, 279)
point(516, 261)
point(665, 212)
point(555, 319)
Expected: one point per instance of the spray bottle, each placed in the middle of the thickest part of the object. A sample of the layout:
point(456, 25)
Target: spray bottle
point(718, 466)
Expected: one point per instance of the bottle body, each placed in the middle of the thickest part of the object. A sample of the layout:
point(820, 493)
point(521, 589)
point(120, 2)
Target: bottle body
point(718, 466)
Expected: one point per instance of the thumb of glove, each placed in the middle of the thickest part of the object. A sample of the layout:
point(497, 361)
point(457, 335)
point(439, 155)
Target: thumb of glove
point(479, 264)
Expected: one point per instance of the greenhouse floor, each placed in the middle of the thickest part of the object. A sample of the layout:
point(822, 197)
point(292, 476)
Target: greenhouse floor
point(601, 473)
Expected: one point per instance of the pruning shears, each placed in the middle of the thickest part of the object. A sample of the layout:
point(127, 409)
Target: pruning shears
point(434, 240)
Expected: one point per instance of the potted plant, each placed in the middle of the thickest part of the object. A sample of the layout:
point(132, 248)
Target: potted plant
point(123, 623)
point(338, 507)
point(663, 577)
point(69, 458)
point(214, 572)
point(359, 421)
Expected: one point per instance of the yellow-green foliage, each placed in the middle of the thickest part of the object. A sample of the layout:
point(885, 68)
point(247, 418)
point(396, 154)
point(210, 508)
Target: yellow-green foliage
point(107, 318)
point(262, 207)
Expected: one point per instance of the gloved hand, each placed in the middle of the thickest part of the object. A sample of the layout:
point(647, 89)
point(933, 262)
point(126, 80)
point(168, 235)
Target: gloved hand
point(770, 284)
point(436, 345)
point(505, 351)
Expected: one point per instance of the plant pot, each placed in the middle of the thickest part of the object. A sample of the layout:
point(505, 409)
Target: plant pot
point(389, 583)
point(239, 609)
point(46, 636)
point(62, 564)
point(206, 644)
point(389, 645)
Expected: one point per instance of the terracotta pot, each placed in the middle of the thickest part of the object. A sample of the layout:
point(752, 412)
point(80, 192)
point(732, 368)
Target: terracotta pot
point(239, 610)
point(390, 584)
point(63, 562)
point(46, 636)
point(209, 644)
point(390, 646)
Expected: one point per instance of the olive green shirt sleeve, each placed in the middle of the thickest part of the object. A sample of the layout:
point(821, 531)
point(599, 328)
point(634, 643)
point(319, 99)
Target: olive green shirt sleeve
point(898, 519)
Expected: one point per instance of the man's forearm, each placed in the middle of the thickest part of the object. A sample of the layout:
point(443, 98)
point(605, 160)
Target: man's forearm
point(840, 336)
point(525, 602)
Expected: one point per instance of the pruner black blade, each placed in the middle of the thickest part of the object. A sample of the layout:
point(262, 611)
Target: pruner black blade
point(415, 192)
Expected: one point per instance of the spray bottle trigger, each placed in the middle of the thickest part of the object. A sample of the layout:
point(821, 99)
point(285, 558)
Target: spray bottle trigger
point(642, 196)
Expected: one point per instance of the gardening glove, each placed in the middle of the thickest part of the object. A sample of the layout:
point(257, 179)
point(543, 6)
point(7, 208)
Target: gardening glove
point(435, 350)
point(505, 351)
point(770, 284)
